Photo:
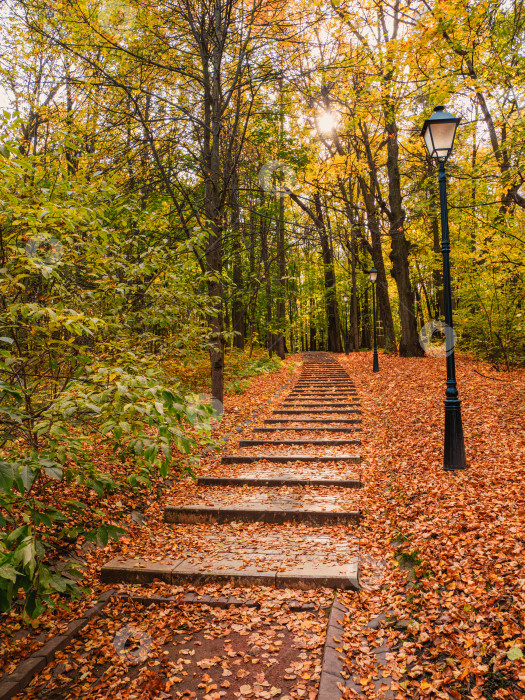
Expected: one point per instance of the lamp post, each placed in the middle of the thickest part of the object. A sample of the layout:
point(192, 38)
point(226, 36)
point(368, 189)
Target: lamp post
point(347, 344)
point(373, 278)
point(438, 133)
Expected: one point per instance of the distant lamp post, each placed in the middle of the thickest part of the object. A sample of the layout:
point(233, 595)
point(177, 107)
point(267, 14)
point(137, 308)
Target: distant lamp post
point(438, 133)
point(373, 278)
point(347, 342)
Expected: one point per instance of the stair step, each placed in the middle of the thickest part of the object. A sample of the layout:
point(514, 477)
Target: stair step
point(328, 385)
point(277, 481)
point(311, 411)
point(283, 459)
point(329, 382)
point(338, 402)
point(322, 390)
point(304, 576)
point(313, 420)
point(311, 380)
point(276, 443)
point(321, 394)
point(350, 398)
point(310, 515)
point(309, 430)
point(317, 404)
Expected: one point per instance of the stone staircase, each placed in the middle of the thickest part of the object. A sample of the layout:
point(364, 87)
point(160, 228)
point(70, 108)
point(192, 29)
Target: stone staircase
point(297, 497)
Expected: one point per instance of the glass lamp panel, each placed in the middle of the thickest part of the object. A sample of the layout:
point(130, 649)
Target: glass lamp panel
point(443, 137)
point(428, 142)
point(373, 275)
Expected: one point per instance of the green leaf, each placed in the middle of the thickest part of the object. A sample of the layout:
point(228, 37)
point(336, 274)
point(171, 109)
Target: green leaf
point(42, 518)
point(6, 476)
point(8, 572)
point(115, 532)
point(33, 605)
point(59, 583)
point(27, 476)
point(514, 654)
point(102, 534)
point(96, 485)
point(91, 536)
point(54, 472)
point(25, 554)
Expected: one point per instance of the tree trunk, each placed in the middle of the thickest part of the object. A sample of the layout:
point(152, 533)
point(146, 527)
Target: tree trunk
point(280, 307)
point(332, 312)
point(354, 319)
point(268, 282)
point(399, 255)
point(237, 305)
point(212, 205)
point(383, 300)
point(313, 327)
point(365, 320)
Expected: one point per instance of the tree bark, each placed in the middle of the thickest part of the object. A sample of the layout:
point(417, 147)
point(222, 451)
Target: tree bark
point(354, 316)
point(383, 300)
point(280, 306)
point(212, 201)
point(237, 304)
point(400, 247)
point(268, 284)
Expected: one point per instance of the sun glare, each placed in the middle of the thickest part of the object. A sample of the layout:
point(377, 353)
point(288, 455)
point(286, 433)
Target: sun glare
point(326, 122)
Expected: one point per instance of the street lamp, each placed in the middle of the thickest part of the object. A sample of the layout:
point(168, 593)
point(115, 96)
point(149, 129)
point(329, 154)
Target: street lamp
point(439, 132)
point(373, 278)
point(347, 344)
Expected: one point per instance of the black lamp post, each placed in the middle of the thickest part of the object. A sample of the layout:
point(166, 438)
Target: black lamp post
point(347, 344)
point(439, 132)
point(373, 277)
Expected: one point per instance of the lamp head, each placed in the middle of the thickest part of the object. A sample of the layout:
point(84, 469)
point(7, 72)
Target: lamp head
point(439, 132)
point(345, 297)
point(372, 275)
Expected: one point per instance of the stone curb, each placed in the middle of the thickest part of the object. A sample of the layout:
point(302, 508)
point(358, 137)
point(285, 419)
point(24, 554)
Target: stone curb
point(15, 682)
point(333, 662)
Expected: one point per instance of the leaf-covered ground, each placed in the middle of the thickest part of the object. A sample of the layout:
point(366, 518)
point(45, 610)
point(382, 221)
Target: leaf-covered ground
point(178, 650)
point(456, 625)
point(442, 559)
